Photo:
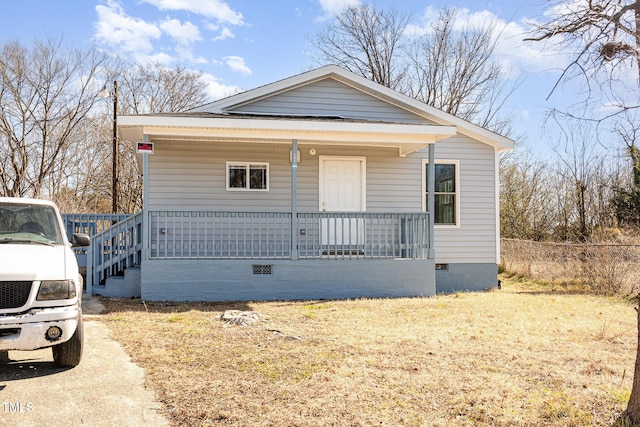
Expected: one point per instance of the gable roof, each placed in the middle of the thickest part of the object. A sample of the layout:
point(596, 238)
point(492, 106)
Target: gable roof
point(243, 99)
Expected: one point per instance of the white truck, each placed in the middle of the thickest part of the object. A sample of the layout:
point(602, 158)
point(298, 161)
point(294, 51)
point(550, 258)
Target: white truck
point(40, 284)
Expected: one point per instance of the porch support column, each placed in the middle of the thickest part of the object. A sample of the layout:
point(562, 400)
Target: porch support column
point(294, 199)
point(431, 198)
point(146, 226)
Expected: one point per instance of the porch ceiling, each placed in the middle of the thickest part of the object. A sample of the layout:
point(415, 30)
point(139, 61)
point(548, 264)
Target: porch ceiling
point(408, 138)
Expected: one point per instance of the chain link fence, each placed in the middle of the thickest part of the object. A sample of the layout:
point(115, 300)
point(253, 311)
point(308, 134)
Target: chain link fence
point(603, 268)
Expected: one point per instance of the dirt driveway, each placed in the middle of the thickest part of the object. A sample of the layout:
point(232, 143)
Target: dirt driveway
point(106, 389)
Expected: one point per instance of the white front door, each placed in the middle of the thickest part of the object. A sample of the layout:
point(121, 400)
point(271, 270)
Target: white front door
point(342, 189)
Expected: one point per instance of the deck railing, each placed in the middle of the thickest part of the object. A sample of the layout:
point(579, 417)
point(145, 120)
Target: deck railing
point(114, 249)
point(363, 235)
point(272, 235)
point(220, 235)
point(117, 243)
point(90, 224)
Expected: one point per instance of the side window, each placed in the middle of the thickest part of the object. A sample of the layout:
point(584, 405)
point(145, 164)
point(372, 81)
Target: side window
point(446, 192)
point(247, 176)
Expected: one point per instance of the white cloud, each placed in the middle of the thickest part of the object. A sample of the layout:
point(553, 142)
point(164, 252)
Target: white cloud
point(337, 6)
point(236, 63)
point(158, 58)
point(333, 7)
point(214, 9)
point(514, 53)
point(163, 41)
point(115, 28)
point(216, 89)
point(184, 34)
point(564, 8)
point(226, 33)
point(185, 54)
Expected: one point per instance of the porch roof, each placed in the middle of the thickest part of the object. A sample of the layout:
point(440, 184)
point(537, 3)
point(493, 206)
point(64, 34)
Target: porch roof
point(224, 127)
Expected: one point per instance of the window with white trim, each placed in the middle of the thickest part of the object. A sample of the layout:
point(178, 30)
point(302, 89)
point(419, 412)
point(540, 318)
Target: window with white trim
point(247, 176)
point(446, 192)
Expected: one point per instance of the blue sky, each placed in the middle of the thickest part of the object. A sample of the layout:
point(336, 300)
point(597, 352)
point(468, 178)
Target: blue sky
point(242, 44)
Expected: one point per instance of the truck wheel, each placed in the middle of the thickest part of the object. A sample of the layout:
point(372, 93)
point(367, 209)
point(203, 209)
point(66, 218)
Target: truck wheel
point(69, 353)
point(4, 357)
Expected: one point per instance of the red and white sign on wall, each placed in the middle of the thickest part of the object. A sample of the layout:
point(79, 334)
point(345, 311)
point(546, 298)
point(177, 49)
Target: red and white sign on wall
point(144, 147)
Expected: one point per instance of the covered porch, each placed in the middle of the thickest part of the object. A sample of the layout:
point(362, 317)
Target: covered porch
point(258, 247)
point(206, 252)
point(223, 255)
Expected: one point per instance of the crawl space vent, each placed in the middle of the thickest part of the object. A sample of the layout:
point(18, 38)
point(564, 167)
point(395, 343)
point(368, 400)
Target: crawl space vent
point(261, 269)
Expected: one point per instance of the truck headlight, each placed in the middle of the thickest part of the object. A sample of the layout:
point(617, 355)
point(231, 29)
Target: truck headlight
point(56, 289)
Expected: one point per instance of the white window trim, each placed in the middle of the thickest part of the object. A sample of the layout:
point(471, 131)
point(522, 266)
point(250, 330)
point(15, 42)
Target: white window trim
point(425, 162)
point(247, 165)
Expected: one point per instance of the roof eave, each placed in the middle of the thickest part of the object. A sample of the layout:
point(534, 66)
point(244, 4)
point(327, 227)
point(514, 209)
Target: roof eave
point(408, 138)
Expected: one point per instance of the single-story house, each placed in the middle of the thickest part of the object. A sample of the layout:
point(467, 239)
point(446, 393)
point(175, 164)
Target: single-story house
point(321, 185)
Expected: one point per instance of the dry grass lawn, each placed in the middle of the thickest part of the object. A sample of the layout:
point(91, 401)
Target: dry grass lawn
point(519, 356)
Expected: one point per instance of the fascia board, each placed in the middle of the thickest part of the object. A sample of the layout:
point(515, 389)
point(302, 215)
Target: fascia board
point(190, 126)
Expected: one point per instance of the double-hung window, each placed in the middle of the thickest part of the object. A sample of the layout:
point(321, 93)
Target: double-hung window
point(247, 176)
point(446, 194)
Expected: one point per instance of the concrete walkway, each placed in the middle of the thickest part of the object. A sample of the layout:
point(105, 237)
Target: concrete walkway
point(106, 389)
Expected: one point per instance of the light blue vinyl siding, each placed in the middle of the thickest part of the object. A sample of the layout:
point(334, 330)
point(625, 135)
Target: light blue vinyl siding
point(190, 175)
point(330, 97)
point(474, 241)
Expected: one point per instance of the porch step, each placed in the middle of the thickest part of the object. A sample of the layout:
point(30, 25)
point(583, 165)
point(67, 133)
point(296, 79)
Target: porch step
point(126, 286)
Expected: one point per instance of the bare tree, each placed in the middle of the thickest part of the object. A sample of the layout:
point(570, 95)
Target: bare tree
point(627, 197)
point(580, 168)
point(566, 199)
point(525, 199)
point(602, 32)
point(45, 94)
point(150, 88)
point(90, 190)
point(450, 70)
point(455, 71)
point(55, 131)
point(155, 88)
point(368, 42)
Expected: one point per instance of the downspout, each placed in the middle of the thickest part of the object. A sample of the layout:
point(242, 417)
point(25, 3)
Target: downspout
point(89, 273)
point(294, 201)
point(431, 198)
point(496, 184)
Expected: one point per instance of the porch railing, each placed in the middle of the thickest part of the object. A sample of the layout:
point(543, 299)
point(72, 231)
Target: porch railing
point(220, 235)
point(90, 224)
point(363, 235)
point(271, 235)
point(114, 249)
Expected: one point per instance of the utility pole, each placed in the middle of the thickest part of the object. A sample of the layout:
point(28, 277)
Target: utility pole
point(114, 177)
